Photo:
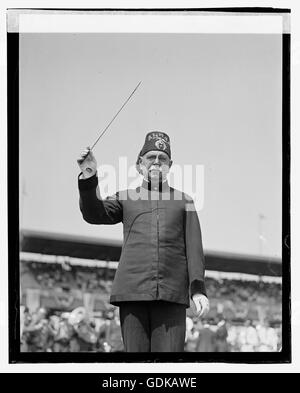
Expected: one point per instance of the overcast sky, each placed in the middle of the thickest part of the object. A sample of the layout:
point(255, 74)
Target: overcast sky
point(218, 97)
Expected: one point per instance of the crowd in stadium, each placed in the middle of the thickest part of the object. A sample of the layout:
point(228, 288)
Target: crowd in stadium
point(84, 278)
point(224, 336)
point(245, 316)
point(43, 331)
point(76, 332)
point(91, 279)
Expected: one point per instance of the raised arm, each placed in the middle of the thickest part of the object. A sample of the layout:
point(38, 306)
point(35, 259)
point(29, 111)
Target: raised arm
point(94, 209)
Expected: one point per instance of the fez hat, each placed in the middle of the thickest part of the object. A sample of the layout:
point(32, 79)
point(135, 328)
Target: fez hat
point(156, 140)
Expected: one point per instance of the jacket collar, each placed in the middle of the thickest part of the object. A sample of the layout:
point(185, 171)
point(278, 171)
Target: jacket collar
point(164, 186)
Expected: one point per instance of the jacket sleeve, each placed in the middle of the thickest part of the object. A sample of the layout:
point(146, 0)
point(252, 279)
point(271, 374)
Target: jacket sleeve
point(94, 209)
point(194, 250)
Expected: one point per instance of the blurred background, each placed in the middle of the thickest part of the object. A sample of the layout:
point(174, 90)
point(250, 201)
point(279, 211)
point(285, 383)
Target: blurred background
point(218, 97)
point(66, 282)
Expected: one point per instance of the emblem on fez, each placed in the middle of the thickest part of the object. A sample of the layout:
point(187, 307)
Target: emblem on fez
point(160, 144)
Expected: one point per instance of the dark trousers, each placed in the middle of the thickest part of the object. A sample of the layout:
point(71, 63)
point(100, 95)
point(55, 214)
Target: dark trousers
point(153, 326)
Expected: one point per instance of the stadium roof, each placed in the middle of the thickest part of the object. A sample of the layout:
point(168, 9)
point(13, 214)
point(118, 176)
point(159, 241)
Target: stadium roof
point(110, 250)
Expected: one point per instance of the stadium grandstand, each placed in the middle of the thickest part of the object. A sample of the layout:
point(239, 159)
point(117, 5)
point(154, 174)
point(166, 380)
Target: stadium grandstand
point(65, 283)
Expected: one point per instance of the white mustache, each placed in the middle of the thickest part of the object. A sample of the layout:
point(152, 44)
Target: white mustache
point(155, 169)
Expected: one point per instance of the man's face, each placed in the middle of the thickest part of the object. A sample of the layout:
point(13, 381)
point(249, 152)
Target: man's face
point(155, 165)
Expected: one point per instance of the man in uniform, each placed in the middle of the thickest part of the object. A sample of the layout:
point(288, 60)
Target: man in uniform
point(162, 262)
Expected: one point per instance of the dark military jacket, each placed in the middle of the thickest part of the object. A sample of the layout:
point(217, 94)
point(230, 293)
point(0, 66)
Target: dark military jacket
point(162, 254)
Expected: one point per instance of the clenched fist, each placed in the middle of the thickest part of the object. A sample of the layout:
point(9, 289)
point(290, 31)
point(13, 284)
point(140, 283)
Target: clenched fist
point(87, 163)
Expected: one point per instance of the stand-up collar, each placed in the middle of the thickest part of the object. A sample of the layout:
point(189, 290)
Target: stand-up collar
point(161, 187)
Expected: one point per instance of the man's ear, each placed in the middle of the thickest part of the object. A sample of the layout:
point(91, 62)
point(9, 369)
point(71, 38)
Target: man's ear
point(138, 166)
point(170, 164)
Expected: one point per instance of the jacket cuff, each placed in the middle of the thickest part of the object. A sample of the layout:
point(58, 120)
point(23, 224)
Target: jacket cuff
point(198, 286)
point(87, 184)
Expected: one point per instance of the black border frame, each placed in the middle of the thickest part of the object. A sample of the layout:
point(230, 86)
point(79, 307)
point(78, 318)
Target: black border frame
point(15, 356)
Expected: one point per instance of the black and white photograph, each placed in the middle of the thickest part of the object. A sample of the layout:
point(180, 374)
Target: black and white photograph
point(153, 192)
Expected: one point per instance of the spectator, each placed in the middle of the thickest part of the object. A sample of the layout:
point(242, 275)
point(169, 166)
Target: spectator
point(249, 337)
point(35, 332)
point(268, 338)
point(111, 333)
point(221, 344)
point(206, 338)
point(192, 334)
point(64, 335)
point(86, 336)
